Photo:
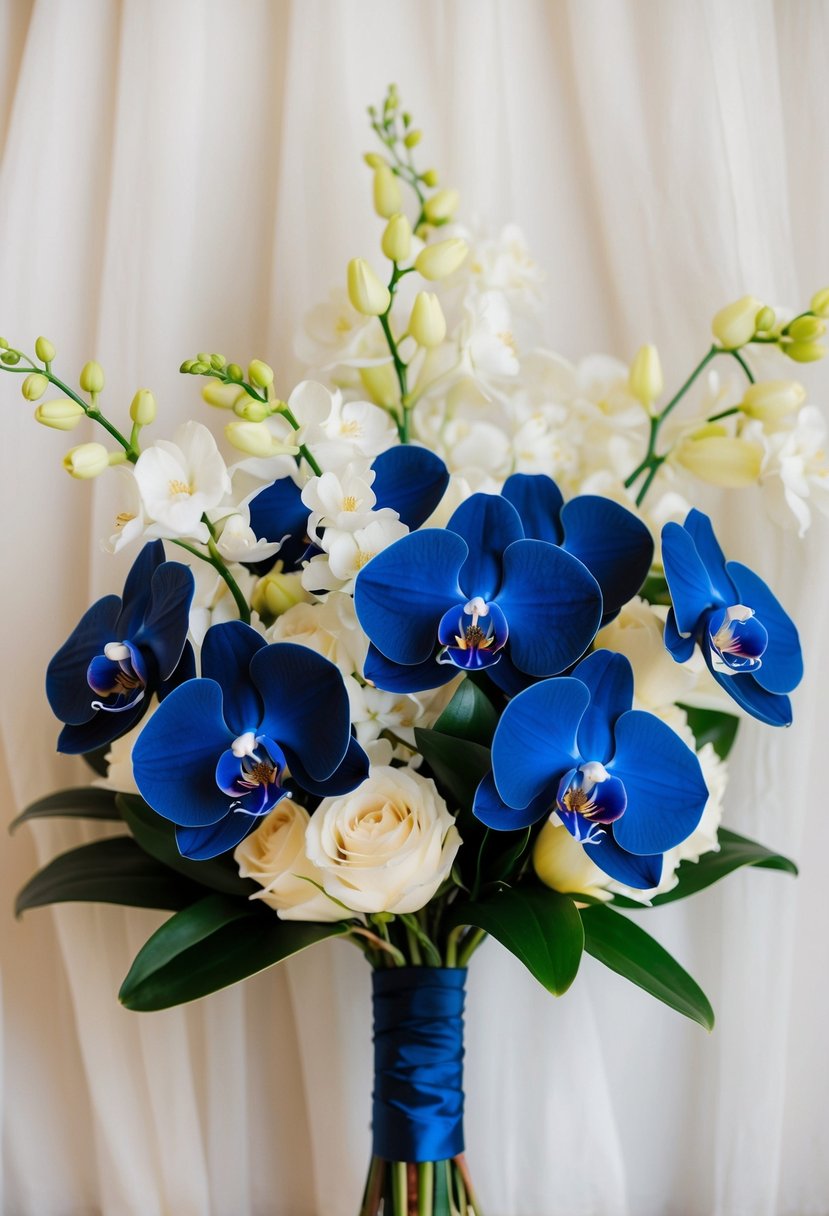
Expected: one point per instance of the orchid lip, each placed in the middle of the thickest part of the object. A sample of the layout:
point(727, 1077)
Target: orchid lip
point(737, 640)
point(118, 676)
point(473, 634)
point(250, 773)
point(589, 798)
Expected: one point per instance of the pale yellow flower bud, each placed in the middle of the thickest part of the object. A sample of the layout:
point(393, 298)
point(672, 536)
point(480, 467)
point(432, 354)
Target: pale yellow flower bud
point(374, 160)
point(441, 206)
point(804, 352)
point(222, 396)
point(427, 324)
point(440, 260)
point(365, 291)
point(430, 178)
point(736, 324)
point(720, 459)
point(561, 863)
point(388, 197)
point(820, 302)
point(397, 238)
point(277, 592)
point(92, 378)
point(143, 408)
point(60, 415)
point(806, 329)
point(86, 460)
point(254, 439)
point(771, 400)
point(645, 378)
point(412, 138)
point(260, 374)
point(249, 408)
point(44, 350)
point(765, 319)
point(380, 383)
point(34, 386)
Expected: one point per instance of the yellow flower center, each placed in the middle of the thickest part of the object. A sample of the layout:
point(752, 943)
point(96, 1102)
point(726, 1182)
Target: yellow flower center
point(179, 487)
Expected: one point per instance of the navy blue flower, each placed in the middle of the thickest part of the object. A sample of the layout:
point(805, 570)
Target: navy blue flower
point(477, 594)
point(622, 782)
point(612, 542)
point(409, 479)
point(748, 641)
point(124, 649)
point(213, 756)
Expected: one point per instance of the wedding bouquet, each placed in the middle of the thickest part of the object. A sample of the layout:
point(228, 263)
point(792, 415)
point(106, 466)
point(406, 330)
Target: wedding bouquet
point(448, 652)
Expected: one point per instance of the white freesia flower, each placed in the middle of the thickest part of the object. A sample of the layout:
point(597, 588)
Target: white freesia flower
point(212, 601)
point(795, 475)
point(345, 553)
point(486, 339)
point(238, 542)
point(130, 521)
point(387, 846)
point(343, 501)
point(180, 480)
point(334, 334)
point(338, 431)
point(374, 711)
point(274, 856)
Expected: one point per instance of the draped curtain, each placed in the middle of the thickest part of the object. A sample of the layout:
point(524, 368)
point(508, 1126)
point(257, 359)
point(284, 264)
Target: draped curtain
point(180, 175)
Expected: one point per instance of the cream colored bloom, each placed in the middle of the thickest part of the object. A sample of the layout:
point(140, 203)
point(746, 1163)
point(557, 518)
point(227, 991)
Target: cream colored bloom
point(387, 846)
point(275, 857)
point(565, 865)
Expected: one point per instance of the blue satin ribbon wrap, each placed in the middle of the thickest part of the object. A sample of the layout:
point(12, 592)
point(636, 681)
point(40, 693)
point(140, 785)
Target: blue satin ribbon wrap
point(418, 1063)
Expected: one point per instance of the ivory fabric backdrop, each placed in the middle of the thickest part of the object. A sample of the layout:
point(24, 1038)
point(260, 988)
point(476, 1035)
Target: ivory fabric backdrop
point(179, 175)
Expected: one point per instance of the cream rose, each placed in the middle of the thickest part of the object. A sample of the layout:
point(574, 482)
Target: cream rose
point(274, 856)
point(387, 846)
point(563, 864)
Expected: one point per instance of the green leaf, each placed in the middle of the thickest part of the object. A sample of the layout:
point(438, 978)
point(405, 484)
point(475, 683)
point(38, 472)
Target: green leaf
point(210, 945)
point(114, 871)
point(157, 836)
point(458, 765)
point(84, 802)
point(655, 590)
point(712, 726)
point(734, 853)
point(469, 715)
point(631, 952)
point(540, 927)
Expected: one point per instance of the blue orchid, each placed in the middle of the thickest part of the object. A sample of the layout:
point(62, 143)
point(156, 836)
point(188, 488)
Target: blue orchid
point(409, 479)
point(124, 649)
point(213, 756)
point(748, 641)
point(477, 594)
point(622, 782)
point(612, 542)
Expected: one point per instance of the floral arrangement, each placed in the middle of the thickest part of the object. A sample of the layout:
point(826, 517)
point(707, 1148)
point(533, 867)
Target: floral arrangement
point(446, 653)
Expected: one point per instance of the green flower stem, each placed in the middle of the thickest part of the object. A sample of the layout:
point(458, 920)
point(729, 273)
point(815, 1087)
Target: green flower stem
point(414, 948)
point(425, 1188)
point(452, 943)
point(91, 411)
point(732, 409)
point(401, 369)
point(415, 931)
point(400, 1188)
point(469, 947)
point(289, 417)
point(735, 354)
point(214, 559)
point(374, 1187)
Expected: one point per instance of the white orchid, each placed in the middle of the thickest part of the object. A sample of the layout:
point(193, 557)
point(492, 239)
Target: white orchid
point(130, 521)
point(180, 480)
point(795, 475)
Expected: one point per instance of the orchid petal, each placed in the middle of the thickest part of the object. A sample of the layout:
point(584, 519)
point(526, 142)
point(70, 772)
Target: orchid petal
point(782, 665)
point(202, 843)
point(538, 501)
point(185, 670)
point(772, 708)
point(101, 729)
point(642, 871)
point(489, 525)
point(349, 773)
point(403, 592)
point(136, 594)
point(614, 545)
point(306, 705)
point(175, 756)
point(700, 529)
point(665, 787)
point(399, 677)
point(553, 606)
point(609, 678)
point(66, 685)
point(491, 809)
point(278, 513)
point(163, 630)
point(506, 676)
point(227, 652)
point(679, 648)
point(535, 741)
point(411, 480)
point(692, 592)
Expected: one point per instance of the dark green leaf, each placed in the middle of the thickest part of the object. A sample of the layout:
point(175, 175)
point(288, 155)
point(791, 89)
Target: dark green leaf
point(469, 715)
point(114, 871)
point(540, 927)
point(210, 945)
point(458, 764)
point(631, 952)
point(711, 726)
point(734, 852)
point(157, 836)
point(84, 802)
